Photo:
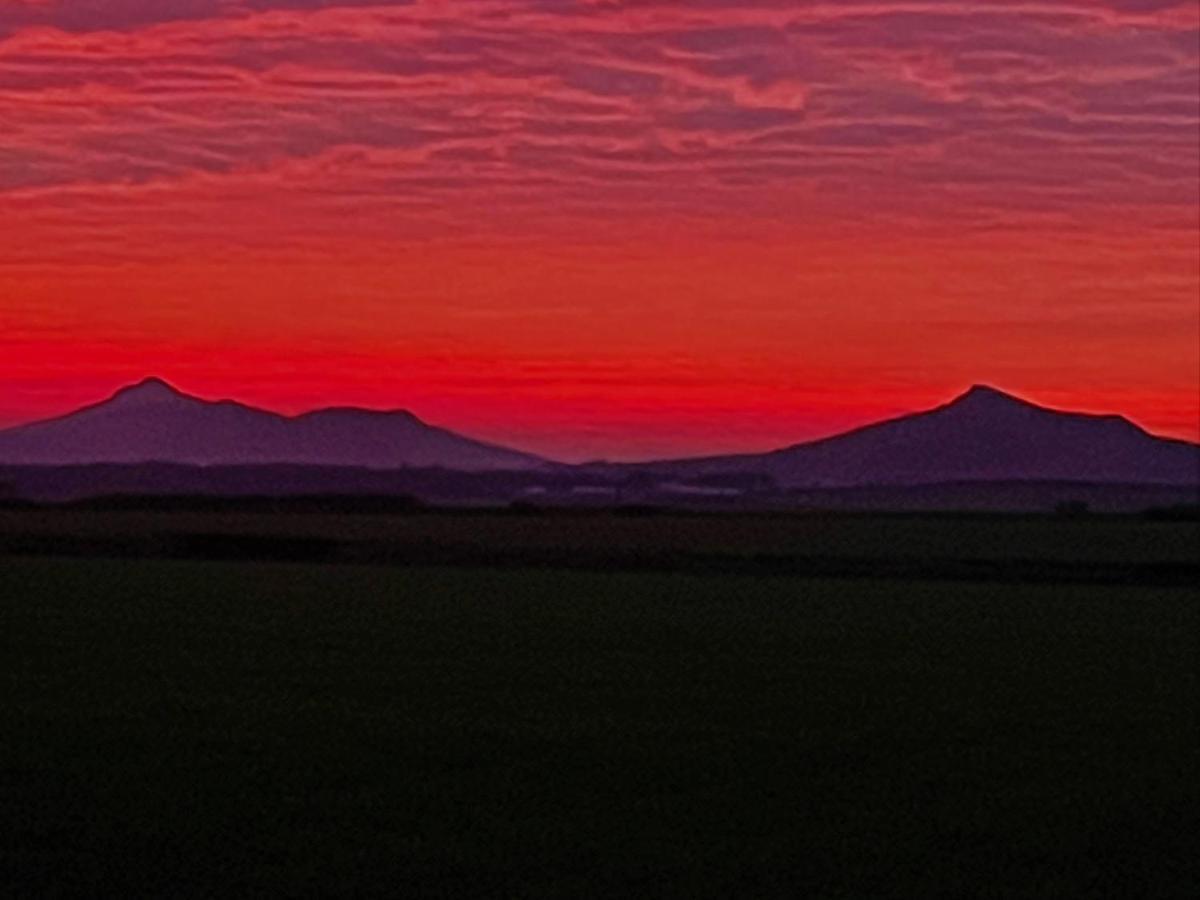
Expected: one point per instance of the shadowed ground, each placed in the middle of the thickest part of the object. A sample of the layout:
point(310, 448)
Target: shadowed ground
point(204, 729)
point(965, 547)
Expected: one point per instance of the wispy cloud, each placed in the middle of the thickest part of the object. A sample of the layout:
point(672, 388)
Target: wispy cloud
point(136, 131)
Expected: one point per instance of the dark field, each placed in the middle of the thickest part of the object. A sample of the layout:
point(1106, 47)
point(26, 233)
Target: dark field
point(1025, 549)
point(215, 728)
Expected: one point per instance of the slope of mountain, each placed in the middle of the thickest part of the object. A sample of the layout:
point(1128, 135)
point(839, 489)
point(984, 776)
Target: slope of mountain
point(984, 435)
point(152, 421)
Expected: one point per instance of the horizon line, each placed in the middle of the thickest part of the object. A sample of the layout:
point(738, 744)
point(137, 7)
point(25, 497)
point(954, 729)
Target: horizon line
point(959, 396)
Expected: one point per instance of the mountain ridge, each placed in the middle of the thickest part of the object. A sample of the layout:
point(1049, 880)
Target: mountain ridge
point(982, 434)
point(153, 421)
point(161, 390)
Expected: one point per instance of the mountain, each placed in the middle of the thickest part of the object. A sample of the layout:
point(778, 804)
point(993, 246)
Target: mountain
point(152, 421)
point(983, 435)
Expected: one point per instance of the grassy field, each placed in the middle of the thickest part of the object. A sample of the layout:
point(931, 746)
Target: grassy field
point(217, 729)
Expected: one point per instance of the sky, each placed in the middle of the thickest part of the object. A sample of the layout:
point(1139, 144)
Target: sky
point(604, 228)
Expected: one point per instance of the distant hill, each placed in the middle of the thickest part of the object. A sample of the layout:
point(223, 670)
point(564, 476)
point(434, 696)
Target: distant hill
point(153, 422)
point(985, 435)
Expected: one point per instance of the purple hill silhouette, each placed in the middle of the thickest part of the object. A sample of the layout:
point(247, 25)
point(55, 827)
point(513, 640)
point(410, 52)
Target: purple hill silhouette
point(983, 435)
point(153, 422)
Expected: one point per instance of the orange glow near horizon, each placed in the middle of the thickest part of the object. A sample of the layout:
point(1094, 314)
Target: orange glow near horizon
point(603, 229)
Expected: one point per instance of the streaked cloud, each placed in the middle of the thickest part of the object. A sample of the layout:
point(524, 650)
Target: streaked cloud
point(135, 132)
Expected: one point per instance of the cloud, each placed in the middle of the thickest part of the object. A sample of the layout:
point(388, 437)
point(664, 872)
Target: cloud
point(139, 132)
point(566, 117)
point(699, 93)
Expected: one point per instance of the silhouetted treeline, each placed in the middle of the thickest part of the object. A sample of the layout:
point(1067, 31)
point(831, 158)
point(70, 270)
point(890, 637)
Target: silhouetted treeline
point(1182, 513)
point(345, 504)
point(601, 487)
point(216, 545)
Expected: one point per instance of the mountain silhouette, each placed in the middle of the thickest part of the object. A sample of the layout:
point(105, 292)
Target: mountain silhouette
point(153, 422)
point(983, 435)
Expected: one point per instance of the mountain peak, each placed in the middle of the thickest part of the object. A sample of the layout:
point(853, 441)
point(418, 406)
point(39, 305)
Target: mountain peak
point(984, 397)
point(149, 391)
point(153, 421)
point(986, 392)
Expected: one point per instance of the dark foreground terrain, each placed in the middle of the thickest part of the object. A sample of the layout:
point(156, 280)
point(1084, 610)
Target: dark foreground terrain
point(214, 727)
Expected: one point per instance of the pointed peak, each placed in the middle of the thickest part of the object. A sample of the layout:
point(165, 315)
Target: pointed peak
point(986, 395)
point(986, 390)
point(150, 390)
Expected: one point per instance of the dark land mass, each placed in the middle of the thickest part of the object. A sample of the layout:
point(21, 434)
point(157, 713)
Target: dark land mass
point(206, 728)
point(984, 450)
point(692, 679)
point(1069, 547)
point(567, 487)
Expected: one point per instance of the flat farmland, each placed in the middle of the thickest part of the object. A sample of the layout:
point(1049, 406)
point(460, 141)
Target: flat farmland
point(215, 728)
point(1045, 549)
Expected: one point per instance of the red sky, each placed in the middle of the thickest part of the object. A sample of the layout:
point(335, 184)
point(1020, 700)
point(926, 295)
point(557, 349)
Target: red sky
point(605, 228)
